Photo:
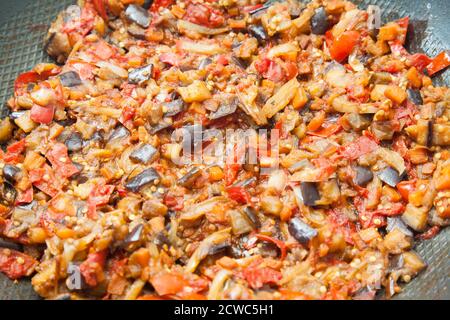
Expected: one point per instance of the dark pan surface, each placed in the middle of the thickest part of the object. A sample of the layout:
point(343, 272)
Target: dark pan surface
point(23, 24)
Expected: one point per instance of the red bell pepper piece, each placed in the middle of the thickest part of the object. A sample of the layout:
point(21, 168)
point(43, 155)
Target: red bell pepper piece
point(280, 244)
point(100, 7)
point(341, 47)
point(440, 62)
point(61, 163)
point(99, 196)
point(327, 131)
point(14, 151)
point(44, 179)
point(24, 196)
point(203, 14)
point(420, 61)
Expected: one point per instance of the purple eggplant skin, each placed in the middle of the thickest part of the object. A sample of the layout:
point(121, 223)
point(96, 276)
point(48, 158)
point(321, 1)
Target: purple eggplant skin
point(390, 176)
point(363, 176)
point(310, 194)
point(258, 32)
point(140, 75)
point(319, 21)
point(74, 142)
point(119, 132)
point(301, 231)
point(397, 223)
point(415, 97)
point(70, 79)
point(142, 179)
point(8, 244)
point(252, 217)
point(204, 63)
point(135, 234)
point(138, 15)
point(225, 109)
point(173, 107)
point(430, 133)
point(144, 154)
point(10, 172)
point(189, 178)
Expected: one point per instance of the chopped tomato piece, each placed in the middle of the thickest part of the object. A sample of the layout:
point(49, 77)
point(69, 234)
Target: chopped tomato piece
point(99, 196)
point(231, 173)
point(239, 195)
point(42, 114)
point(168, 283)
point(170, 58)
point(160, 4)
point(14, 151)
point(203, 14)
point(361, 146)
point(15, 264)
point(405, 188)
point(92, 267)
point(341, 47)
point(257, 277)
point(61, 163)
point(440, 62)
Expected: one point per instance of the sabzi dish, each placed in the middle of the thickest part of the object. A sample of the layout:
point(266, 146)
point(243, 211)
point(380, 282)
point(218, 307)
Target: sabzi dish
point(94, 204)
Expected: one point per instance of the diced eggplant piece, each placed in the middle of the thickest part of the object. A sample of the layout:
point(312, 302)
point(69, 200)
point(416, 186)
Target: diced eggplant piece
point(252, 217)
point(6, 130)
point(140, 75)
point(10, 172)
point(136, 31)
point(204, 63)
point(74, 142)
point(189, 178)
point(135, 235)
point(363, 176)
point(241, 63)
point(397, 223)
point(415, 97)
point(164, 124)
point(147, 4)
point(309, 192)
point(239, 222)
point(383, 130)
point(7, 193)
point(319, 21)
point(430, 133)
point(358, 122)
point(173, 108)
point(414, 217)
point(144, 154)
point(142, 179)
point(120, 132)
point(138, 15)
point(301, 231)
point(258, 32)
point(397, 242)
point(8, 244)
point(390, 176)
point(70, 79)
point(217, 248)
point(224, 110)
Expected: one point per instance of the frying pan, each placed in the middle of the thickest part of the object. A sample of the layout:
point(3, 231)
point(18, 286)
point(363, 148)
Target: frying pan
point(23, 24)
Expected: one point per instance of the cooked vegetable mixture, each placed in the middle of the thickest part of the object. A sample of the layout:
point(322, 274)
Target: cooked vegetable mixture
point(95, 203)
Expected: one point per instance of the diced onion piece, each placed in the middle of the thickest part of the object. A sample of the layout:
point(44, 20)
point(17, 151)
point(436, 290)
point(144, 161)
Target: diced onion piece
point(281, 98)
point(199, 47)
point(184, 25)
